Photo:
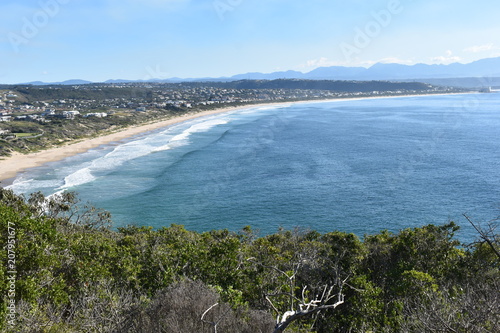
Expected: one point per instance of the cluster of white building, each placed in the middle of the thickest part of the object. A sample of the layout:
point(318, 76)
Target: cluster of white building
point(96, 114)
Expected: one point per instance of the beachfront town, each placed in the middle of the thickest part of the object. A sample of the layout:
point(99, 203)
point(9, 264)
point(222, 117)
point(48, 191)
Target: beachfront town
point(44, 103)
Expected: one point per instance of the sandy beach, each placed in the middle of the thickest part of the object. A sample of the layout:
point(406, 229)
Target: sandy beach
point(11, 166)
point(17, 163)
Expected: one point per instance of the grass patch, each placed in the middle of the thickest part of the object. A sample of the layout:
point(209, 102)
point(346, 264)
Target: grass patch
point(24, 135)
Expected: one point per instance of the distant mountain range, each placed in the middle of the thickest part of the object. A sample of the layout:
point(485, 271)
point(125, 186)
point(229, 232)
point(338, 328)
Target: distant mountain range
point(67, 82)
point(480, 73)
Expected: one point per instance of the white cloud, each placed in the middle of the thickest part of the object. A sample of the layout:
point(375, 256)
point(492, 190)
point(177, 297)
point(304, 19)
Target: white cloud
point(480, 48)
point(321, 62)
point(364, 63)
point(396, 60)
point(325, 62)
point(446, 59)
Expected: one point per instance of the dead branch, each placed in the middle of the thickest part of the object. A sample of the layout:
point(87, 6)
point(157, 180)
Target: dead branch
point(487, 236)
point(291, 316)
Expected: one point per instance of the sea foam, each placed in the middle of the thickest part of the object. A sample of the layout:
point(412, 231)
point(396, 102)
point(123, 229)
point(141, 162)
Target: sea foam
point(79, 177)
point(183, 137)
point(134, 150)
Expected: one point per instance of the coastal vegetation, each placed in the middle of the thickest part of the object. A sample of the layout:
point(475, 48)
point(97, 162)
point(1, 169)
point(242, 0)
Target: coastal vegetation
point(62, 131)
point(65, 269)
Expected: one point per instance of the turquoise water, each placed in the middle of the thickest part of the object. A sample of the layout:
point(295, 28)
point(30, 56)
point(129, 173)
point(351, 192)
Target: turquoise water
point(358, 166)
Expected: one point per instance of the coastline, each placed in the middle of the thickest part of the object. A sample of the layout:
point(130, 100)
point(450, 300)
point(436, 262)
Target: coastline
point(17, 163)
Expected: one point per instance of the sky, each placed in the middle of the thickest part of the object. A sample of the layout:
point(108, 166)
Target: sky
point(97, 40)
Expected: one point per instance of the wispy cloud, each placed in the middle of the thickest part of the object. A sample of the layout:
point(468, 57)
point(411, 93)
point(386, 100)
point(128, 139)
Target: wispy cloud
point(396, 60)
point(448, 58)
point(320, 62)
point(325, 62)
point(480, 48)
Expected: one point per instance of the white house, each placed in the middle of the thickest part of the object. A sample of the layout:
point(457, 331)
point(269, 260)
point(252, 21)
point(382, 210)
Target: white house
point(70, 114)
point(96, 114)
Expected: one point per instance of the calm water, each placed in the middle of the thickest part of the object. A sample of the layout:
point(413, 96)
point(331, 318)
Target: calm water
point(357, 166)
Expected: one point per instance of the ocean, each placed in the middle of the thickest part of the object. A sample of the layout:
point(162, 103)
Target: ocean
point(358, 166)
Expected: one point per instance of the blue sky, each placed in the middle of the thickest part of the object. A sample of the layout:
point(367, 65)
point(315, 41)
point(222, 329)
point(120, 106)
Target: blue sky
point(96, 40)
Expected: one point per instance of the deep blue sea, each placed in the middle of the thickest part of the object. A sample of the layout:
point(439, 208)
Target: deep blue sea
point(356, 166)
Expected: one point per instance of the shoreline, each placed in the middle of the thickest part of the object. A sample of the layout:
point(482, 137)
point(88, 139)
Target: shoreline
point(17, 163)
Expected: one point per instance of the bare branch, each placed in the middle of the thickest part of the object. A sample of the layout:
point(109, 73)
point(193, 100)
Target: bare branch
point(272, 305)
point(487, 236)
point(291, 316)
point(206, 311)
